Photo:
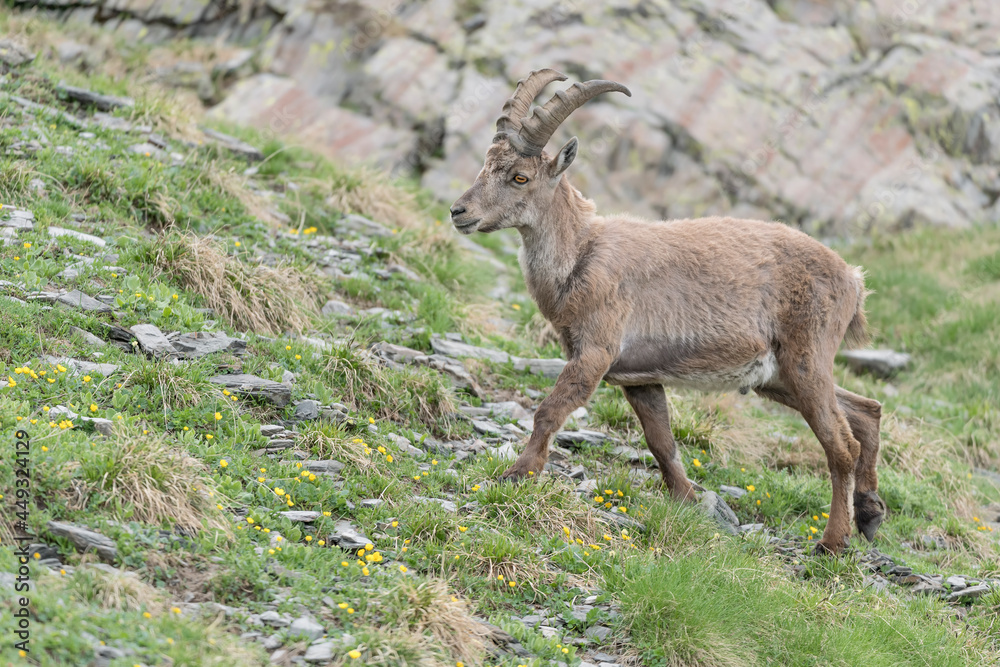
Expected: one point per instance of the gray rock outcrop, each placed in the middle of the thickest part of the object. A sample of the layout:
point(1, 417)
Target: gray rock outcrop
point(831, 115)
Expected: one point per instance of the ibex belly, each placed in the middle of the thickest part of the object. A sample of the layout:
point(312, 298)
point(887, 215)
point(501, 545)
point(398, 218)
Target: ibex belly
point(707, 367)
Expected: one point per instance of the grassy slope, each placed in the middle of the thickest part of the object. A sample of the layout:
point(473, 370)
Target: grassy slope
point(686, 595)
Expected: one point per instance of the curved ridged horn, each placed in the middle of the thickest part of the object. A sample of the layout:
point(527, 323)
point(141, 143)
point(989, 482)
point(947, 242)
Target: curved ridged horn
point(536, 131)
point(516, 108)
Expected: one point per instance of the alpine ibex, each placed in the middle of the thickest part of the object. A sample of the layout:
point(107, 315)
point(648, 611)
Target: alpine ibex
point(713, 303)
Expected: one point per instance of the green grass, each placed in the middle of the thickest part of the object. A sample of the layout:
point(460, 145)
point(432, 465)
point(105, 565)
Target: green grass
point(936, 297)
point(730, 608)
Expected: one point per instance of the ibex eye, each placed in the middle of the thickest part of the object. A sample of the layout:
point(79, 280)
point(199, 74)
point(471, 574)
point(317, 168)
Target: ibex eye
point(520, 179)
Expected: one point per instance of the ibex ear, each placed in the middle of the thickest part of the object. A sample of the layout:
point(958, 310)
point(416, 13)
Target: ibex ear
point(564, 159)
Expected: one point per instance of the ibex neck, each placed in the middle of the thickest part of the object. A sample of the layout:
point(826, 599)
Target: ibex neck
point(551, 247)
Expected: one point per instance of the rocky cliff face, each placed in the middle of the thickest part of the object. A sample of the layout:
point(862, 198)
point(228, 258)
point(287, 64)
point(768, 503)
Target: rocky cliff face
point(835, 115)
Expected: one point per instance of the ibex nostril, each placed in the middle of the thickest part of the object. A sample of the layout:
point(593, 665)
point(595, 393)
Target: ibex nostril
point(457, 210)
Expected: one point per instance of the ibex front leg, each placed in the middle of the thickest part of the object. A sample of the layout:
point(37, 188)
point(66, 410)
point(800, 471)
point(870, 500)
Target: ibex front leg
point(575, 385)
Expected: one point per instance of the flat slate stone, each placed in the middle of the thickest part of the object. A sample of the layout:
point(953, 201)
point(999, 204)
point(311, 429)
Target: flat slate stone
point(200, 343)
point(256, 387)
point(751, 528)
point(505, 451)
point(306, 627)
point(531, 620)
point(334, 307)
point(147, 149)
point(16, 218)
point(62, 411)
point(717, 509)
point(346, 536)
point(274, 619)
point(233, 144)
point(301, 516)
point(48, 111)
point(109, 122)
point(307, 409)
point(72, 272)
point(550, 368)
point(734, 491)
point(969, 593)
point(323, 466)
point(363, 225)
point(928, 587)
point(486, 427)
point(882, 363)
point(85, 539)
point(582, 437)
point(451, 348)
point(446, 505)
point(439, 362)
point(89, 97)
point(45, 297)
point(77, 299)
point(61, 231)
point(507, 410)
point(122, 338)
point(633, 455)
point(14, 53)
point(152, 341)
point(321, 652)
point(102, 426)
point(78, 366)
point(621, 520)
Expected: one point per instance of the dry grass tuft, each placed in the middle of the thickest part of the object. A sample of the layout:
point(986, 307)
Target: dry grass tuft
point(495, 555)
point(112, 589)
point(389, 647)
point(235, 185)
point(256, 298)
point(360, 375)
point(175, 388)
point(906, 448)
point(545, 507)
point(372, 193)
point(728, 424)
point(364, 381)
point(141, 477)
point(7, 532)
point(426, 606)
point(700, 422)
point(481, 319)
point(326, 442)
point(540, 331)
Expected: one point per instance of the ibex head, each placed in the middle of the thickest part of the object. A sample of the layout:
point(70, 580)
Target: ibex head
point(518, 180)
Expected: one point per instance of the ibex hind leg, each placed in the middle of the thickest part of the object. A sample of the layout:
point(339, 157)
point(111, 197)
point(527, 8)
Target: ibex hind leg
point(864, 416)
point(813, 395)
point(650, 405)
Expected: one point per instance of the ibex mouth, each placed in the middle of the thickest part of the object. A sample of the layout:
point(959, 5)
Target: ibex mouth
point(463, 226)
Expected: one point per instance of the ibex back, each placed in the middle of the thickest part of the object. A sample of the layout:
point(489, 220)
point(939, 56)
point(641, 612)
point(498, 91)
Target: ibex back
point(713, 303)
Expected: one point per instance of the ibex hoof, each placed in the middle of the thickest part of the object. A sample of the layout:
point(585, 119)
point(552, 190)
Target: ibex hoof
point(830, 548)
point(869, 510)
point(516, 473)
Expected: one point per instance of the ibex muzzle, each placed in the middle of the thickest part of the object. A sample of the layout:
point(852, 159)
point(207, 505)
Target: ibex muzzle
point(713, 304)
